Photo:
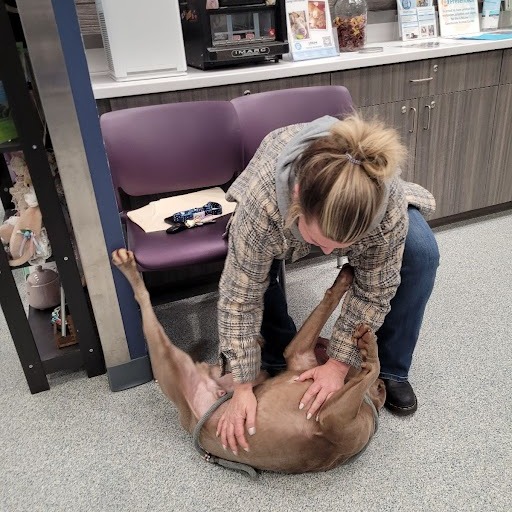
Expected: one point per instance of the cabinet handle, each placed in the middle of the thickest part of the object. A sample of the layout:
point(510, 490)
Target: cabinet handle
point(428, 118)
point(414, 119)
point(418, 80)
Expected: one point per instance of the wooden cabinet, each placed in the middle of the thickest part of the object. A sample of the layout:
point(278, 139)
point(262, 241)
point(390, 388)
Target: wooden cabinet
point(500, 162)
point(385, 84)
point(452, 149)
point(402, 115)
point(449, 131)
point(408, 80)
point(499, 171)
point(506, 68)
point(226, 92)
point(448, 137)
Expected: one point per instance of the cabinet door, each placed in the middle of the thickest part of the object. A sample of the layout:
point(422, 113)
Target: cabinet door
point(453, 147)
point(500, 162)
point(378, 85)
point(403, 116)
point(506, 67)
point(407, 80)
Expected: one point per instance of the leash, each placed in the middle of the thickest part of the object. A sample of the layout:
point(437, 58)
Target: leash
point(208, 457)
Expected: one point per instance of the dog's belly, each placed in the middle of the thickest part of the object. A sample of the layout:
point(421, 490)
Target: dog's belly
point(285, 441)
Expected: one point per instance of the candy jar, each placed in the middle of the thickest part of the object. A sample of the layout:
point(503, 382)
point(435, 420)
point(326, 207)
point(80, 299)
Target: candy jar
point(350, 22)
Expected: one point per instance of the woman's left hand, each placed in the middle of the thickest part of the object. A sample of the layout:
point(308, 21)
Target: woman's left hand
point(327, 379)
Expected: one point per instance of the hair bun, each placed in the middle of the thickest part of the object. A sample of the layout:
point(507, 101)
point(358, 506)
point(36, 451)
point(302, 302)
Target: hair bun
point(377, 147)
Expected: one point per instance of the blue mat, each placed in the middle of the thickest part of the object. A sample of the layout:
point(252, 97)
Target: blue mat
point(489, 37)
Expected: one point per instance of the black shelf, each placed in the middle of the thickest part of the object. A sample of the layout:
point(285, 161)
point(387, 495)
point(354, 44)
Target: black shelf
point(54, 359)
point(25, 265)
point(33, 335)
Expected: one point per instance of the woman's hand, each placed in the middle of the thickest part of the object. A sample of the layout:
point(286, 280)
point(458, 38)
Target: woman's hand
point(328, 378)
point(239, 414)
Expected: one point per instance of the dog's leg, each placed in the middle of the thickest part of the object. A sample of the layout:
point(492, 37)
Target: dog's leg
point(338, 415)
point(178, 376)
point(299, 354)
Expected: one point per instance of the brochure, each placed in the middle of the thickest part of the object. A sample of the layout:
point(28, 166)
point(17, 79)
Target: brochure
point(310, 33)
point(491, 14)
point(416, 19)
point(458, 17)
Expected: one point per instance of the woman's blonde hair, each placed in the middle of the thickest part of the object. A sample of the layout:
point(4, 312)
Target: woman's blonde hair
point(341, 177)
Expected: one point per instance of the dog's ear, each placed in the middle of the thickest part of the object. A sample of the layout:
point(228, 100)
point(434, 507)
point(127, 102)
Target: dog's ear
point(377, 394)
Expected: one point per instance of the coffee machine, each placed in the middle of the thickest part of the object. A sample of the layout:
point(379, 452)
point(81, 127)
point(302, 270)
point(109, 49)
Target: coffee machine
point(219, 33)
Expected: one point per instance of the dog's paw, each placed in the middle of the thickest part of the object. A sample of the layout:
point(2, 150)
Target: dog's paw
point(122, 257)
point(366, 341)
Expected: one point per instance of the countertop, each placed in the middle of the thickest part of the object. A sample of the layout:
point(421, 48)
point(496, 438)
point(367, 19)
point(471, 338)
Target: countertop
point(393, 52)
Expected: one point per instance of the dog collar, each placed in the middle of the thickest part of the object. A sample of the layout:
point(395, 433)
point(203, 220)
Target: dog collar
point(208, 457)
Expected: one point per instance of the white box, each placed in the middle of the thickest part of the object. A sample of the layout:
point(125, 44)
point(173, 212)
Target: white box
point(142, 39)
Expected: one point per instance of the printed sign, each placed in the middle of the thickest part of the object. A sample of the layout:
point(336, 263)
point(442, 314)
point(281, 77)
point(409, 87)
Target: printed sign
point(457, 17)
point(309, 27)
point(417, 19)
point(491, 14)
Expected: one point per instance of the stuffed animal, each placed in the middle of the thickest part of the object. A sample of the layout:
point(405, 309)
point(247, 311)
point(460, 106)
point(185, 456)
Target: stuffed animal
point(6, 230)
point(22, 184)
point(23, 233)
point(25, 242)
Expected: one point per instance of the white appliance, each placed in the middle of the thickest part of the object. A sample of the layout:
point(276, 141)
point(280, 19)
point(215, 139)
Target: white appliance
point(142, 39)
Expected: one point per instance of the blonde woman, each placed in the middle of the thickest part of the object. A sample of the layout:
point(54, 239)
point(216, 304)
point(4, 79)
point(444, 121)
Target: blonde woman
point(333, 184)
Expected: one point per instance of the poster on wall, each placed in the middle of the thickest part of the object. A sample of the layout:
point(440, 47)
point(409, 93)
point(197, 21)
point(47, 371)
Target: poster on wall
point(458, 17)
point(309, 26)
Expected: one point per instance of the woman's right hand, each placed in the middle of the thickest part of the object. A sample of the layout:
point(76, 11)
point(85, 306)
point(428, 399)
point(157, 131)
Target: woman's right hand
point(240, 414)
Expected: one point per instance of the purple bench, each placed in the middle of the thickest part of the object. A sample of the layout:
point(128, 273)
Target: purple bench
point(181, 147)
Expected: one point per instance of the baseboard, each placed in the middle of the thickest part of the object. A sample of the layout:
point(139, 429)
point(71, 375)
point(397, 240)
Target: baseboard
point(473, 214)
point(128, 375)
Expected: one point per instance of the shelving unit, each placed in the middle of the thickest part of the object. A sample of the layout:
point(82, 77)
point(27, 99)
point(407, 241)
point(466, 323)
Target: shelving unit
point(33, 336)
point(53, 359)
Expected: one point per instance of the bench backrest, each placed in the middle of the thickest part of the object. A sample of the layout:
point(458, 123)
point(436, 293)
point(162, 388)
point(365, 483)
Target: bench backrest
point(261, 113)
point(172, 147)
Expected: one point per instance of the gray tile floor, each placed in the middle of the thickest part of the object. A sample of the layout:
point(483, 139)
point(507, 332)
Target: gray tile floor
point(80, 447)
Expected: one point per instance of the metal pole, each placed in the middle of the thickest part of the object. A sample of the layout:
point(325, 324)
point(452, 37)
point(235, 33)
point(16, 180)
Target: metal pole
point(55, 45)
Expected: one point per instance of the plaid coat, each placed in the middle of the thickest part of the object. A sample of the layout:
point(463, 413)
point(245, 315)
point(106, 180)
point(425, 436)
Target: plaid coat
point(257, 236)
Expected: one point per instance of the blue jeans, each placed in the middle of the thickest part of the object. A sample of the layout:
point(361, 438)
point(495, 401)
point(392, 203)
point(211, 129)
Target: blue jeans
point(398, 334)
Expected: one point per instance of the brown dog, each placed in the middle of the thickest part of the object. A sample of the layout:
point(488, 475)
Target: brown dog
point(285, 440)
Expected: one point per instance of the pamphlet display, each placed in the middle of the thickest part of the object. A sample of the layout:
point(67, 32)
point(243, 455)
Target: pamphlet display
point(310, 33)
point(416, 19)
point(491, 14)
point(458, 17)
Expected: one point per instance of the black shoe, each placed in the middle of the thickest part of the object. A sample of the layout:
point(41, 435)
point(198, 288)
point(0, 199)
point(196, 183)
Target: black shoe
point(400, 398)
